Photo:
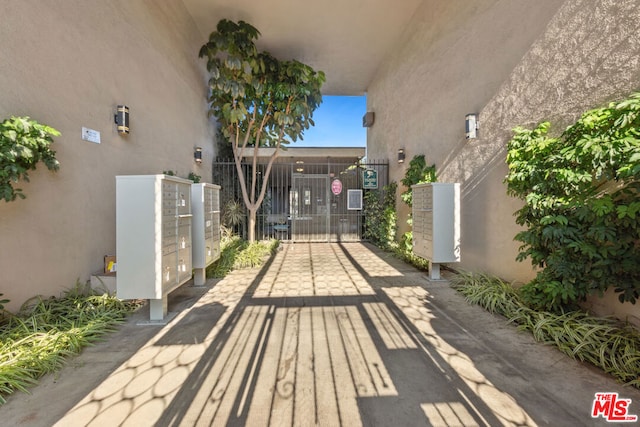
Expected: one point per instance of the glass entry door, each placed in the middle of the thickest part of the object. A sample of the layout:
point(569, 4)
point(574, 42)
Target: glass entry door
point(309, 203)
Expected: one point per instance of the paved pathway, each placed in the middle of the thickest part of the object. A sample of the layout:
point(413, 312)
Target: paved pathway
point(325, 334)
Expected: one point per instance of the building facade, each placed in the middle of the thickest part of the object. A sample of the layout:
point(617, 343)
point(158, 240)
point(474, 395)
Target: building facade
point(69, 64)
point(514, 63)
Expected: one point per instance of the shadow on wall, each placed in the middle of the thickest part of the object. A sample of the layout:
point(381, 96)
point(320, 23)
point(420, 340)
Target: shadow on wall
point(569, 69)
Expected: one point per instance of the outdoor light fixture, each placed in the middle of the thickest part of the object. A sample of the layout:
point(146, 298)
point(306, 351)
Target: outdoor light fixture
point(197, 155)
point(400, 155)
point(471, 126)
point(122, 119)
point(367, 119)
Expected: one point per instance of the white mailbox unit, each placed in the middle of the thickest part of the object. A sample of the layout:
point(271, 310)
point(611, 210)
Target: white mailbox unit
point(205, 201)
point(153, 238)
point(436, 224)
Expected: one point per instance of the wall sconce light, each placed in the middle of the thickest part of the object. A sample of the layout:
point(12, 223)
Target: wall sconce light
point(368, 119)
point(471, 126)
point(400, 155)
point(197, 155)
point(122, 119)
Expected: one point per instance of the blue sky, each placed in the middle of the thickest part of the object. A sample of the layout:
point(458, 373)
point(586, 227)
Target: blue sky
point(338, 123)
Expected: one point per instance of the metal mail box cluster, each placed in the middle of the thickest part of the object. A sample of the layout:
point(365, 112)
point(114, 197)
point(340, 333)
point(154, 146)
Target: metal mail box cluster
point(165, 228)
point(436, 223)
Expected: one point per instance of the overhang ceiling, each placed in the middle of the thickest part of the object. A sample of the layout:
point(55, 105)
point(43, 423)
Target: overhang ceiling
point(347, 39)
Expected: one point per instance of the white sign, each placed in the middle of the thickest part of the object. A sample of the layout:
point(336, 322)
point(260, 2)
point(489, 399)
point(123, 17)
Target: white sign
point(91, 135)
point(354, 200)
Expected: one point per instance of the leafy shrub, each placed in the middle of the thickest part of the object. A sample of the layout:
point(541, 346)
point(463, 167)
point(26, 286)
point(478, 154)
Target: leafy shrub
point(417, 173)
point(23, 143)
point(581, 192)
point(380, 217)
point(233, 214)
point(3, 313)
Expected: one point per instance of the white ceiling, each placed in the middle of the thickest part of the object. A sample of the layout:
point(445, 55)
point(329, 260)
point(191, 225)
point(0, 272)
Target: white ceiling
point(347, 39)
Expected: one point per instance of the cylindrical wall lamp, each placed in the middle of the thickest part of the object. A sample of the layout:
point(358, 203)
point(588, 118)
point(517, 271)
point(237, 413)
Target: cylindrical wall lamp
point(197, 155)
point(122, 119)
point(471, 126)
point(400, 155)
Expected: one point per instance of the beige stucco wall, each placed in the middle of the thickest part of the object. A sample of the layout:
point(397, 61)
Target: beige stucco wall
point(516, 62)
point(68, 64)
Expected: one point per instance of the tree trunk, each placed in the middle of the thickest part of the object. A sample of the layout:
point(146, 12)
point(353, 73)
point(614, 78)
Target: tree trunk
point(252, 225)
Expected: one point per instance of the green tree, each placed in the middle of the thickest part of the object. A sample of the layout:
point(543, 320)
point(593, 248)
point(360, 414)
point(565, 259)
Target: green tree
point(258, 100)
point(581, 205)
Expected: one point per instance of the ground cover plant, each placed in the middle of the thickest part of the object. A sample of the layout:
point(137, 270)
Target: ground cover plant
point(581, 194)
point(236, 253)
point(606, 343)
point(38, 339)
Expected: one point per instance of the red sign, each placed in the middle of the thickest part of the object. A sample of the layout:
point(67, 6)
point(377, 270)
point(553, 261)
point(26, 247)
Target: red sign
point(336, 186)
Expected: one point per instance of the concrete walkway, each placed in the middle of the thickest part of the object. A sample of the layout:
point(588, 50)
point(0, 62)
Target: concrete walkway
point(325, 334)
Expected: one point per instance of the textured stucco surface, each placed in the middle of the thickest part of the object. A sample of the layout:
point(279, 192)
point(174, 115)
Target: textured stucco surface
point(515, 63)
point(68, 64)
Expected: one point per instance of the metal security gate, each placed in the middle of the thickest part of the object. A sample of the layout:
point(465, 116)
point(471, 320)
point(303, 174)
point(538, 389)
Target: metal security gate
point(307, 200)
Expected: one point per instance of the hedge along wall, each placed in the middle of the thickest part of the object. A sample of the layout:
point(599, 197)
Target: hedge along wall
point(581, 56)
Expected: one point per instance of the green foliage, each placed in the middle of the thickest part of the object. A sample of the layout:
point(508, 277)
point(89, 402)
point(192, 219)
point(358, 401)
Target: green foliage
point(605, 343)
point(381, 225)
point(38, 339)
point(380, 217)
point(406, 242)
point(192, 176)
point(237, 253)
point(3, 302)
point(581, 205)
point(491, 293)
point(23, 143)
point(3, 313)
point(233, 214)
point(404, 251)
point(254, 94)
point(549, 295)
point(417, 173)
point(255, 254)
point(258, 100)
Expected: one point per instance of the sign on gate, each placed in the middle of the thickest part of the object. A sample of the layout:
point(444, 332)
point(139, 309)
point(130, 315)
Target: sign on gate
point(336, 186)
point(370, 179)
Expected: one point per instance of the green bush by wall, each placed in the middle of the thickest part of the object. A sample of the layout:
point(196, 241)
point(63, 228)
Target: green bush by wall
point(581, 205)
point(23, 143)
